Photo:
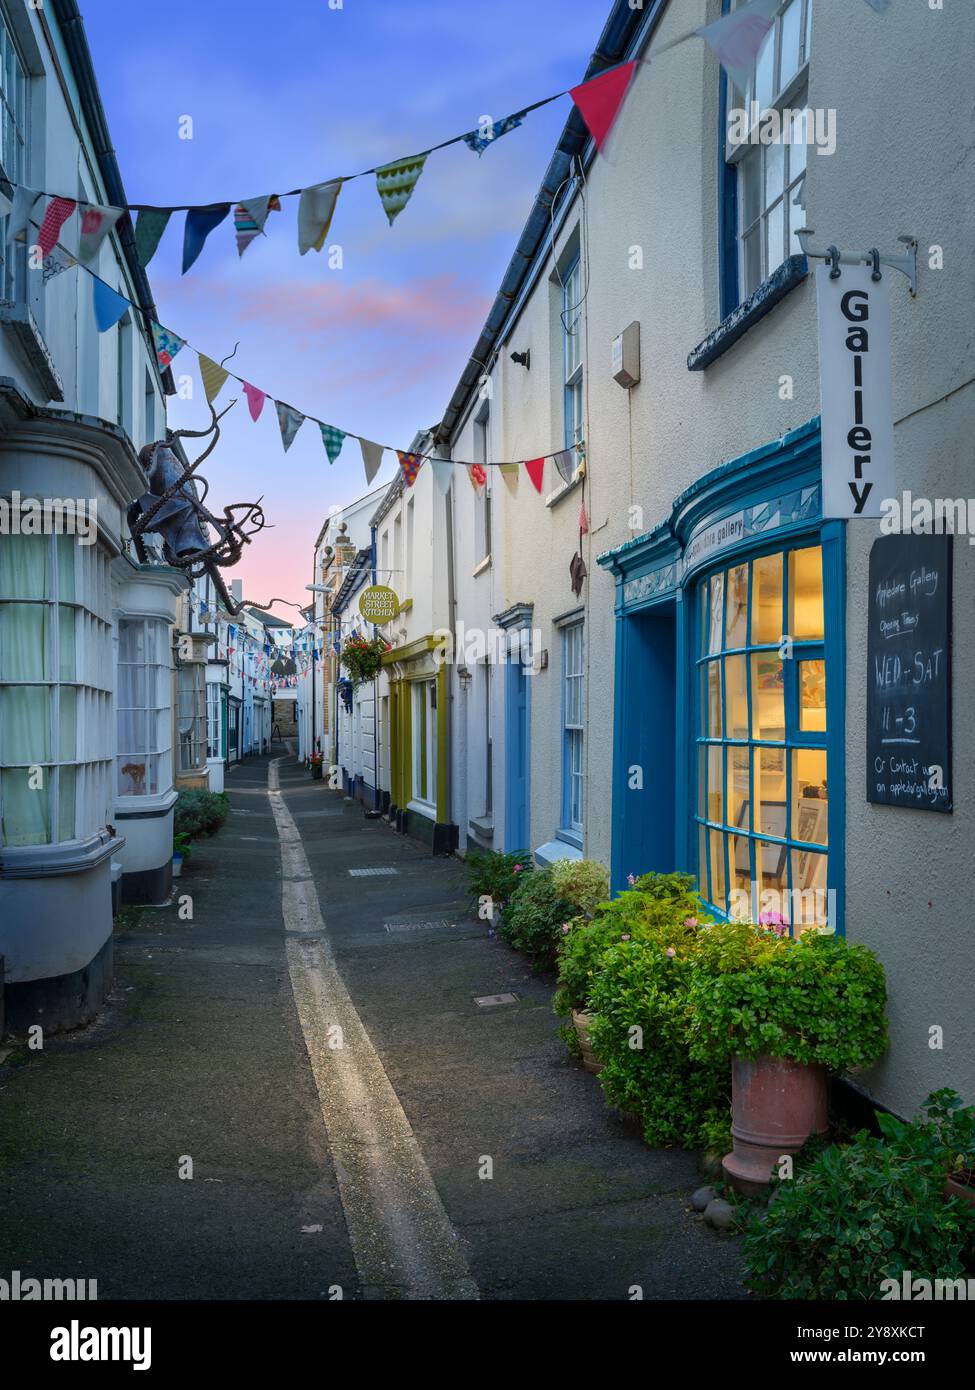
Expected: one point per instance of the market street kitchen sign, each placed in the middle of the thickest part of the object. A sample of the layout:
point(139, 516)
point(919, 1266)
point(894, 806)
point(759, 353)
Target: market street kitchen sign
point(854, 376)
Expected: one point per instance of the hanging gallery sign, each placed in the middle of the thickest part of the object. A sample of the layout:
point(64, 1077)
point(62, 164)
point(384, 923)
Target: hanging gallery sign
point(855, 391)
point(378, 604)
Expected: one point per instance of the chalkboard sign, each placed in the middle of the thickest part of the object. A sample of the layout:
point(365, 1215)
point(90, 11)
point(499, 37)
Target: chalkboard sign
point(909, 673)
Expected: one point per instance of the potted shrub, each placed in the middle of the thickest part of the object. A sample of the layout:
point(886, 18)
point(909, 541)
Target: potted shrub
point(362, 657)
point(953, 1125)
point(181, 852)
point(494, 876)
point(652, 902)
point(785, 1011)
point(532, 921)
point(316, 763)
point(861, 1217)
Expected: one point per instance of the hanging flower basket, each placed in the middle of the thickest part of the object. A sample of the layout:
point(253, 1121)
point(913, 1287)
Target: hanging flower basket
point(363, 657)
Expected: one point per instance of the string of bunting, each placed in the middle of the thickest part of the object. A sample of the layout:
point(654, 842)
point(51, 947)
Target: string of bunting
point(736, 39)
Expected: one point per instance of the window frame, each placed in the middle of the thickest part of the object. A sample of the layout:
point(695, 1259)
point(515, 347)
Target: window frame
point(482, 495)
point(423, 716)
point(196, 690)
point(13, 263)
point(794, 738)
point(735, 286)
point(573, 371)
point(160, 758)
point(573, 736)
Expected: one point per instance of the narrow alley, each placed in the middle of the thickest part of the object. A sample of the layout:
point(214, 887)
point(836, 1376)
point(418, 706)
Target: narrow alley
point(434, 1147)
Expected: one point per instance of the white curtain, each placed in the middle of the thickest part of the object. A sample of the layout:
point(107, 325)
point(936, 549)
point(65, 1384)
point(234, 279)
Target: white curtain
point(25, 710)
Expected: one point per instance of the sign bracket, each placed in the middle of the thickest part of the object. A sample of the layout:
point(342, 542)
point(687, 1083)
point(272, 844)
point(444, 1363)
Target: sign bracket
point(906, 263)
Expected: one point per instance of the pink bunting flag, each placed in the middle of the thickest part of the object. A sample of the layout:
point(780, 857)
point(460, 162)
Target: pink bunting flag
point(535, 469)
point(255, 400)
point(599, 100)
point(583, 520)
point(58, 212)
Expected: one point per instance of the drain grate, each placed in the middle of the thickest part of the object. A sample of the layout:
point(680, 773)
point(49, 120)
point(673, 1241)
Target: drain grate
point(488, 1001)
point(372, 873)
point(415, 926)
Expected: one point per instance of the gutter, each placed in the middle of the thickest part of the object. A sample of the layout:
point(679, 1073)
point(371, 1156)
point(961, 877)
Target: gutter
point(75, 40)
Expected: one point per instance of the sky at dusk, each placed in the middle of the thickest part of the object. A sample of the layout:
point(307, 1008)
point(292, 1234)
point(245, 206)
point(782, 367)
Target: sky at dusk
point(293, 93)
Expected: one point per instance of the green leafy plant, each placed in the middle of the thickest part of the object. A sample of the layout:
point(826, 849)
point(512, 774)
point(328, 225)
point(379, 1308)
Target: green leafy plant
point(811, 999)
point(181, 845)
point(198, 813)
point(495, 876)
point(866, 1212)
point(533, 919)
point(638, 996)
point(660, 907)
point(582, 882)
point(362, 657)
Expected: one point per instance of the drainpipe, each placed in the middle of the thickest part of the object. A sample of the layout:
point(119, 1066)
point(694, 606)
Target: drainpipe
point(452, 623)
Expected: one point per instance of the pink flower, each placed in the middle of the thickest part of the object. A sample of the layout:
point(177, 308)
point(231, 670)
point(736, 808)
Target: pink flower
point(625, 938)
point(690, 921)
point(517, 869)
point(565, 928)
point(631, 879)
point(671, 952)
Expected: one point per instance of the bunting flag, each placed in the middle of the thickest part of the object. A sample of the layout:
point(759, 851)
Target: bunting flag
point(58, 212)
point(410, 464)
point(477, 475)
point(333, 440)
point(167, 344)
point(565, 462)
point(96, 223)
point(200, 222)
point(291, 421)
point(736, 38)
point(535, 469)
point(255, 400)
point(479, 140)
point(315, 211)
point(372, 457)
point(250, 214)
point(20, 211)
point(149, 227)
point(57, 261)
point(443, 471)
point(583, 519)
point(600, 99)
point(109, 306)
point(396, 182)
point(213, 376)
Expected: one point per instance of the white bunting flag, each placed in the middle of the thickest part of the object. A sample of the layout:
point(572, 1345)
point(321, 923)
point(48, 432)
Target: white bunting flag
point(315, 210)
point(372, 457)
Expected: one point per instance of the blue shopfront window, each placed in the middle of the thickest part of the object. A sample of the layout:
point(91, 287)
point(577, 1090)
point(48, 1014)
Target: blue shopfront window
point(761, 810)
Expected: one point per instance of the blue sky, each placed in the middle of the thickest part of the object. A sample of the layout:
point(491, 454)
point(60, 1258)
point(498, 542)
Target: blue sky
point(282, 95)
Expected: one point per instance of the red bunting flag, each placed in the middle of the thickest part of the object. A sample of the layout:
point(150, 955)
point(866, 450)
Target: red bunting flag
point(477, 475)
point(583, 520)
point(58, 212)
point(255, 399)
point(600, 99)
point(535, 469)
point(410, 464)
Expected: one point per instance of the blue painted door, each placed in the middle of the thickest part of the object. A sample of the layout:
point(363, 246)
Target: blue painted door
point(517, 726)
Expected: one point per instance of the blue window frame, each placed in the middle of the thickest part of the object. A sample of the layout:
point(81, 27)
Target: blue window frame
point(573, 736)
point(761, 190)
point(761, 814)
point(573, 354)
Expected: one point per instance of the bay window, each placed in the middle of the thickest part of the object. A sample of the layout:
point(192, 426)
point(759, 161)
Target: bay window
point(144, 757)
point(762, 795)
point(191, 715)
point(55, 690)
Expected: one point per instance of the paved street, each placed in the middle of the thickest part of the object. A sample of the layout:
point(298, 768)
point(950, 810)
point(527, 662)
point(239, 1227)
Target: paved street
point(326, 1160)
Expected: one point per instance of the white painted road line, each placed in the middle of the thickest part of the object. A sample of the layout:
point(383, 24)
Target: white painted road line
point(401, 1236)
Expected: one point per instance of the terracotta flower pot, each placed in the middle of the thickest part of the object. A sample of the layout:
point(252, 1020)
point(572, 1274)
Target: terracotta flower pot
point(954, 1188)
point(581, 1022)
point(775, 1106)
point(316, 772)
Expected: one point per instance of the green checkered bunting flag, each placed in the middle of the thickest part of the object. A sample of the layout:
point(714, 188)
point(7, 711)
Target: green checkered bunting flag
point(333, 440)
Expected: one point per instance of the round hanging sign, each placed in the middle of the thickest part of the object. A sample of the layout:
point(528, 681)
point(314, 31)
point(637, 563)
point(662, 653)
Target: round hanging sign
point(378, 604)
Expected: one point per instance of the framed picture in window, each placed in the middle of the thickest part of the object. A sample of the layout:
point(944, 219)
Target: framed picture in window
point(810, 824)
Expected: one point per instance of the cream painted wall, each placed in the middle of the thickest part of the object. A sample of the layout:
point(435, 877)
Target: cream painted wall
point(903, 165)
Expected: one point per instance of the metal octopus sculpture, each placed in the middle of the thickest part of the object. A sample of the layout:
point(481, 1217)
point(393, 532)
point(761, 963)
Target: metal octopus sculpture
point(194, 539)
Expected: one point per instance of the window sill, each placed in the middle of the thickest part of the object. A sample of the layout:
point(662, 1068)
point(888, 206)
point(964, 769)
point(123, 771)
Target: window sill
point(554, 850)
point(483, 826)
point(479, 569)
point(554, 498)
point(790, 273)
point(423, 808)
point(19, 319)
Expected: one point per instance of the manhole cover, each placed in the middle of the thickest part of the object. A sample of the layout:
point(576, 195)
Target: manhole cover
point(488, 1001)
point(415, 926)
point(371, 873)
